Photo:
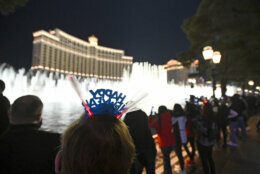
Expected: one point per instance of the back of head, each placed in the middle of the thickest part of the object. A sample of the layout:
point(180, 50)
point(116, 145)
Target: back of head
point(26, 109)
point(2, 86)
point(191, 110)
point(237, 96)
point(234, 99)
point(100, 144)
point(192, 98)
point(162, 109)
point(178, 109)
point(207, 112)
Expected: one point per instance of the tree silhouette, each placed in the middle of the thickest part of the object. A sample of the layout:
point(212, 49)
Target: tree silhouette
point(8, 6)
point(231, 27)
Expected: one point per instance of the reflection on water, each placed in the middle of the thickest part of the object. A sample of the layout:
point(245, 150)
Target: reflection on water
point(58, 116)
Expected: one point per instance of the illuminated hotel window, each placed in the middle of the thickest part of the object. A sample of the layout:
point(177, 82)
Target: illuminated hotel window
point(71, 62)
point(66, 53)
point(61, 65)
point(49, 58)
point(43, 55)
point(66, 61)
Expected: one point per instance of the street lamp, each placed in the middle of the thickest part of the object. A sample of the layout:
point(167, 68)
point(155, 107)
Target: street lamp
point(214, 57)
point(207, 52)
point(251, 82)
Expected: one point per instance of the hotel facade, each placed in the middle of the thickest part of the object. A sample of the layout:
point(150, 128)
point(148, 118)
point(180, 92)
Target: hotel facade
point(61, 52)
point(177, 73)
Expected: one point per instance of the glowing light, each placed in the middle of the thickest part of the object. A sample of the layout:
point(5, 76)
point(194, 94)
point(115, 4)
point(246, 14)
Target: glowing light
point(196, 62)
point(251, 83)
point(127, 57)
point(55, 35)
point(216, 57)
point(192, 80)
point(207, 52)
point(44, 33)
point(93, 40)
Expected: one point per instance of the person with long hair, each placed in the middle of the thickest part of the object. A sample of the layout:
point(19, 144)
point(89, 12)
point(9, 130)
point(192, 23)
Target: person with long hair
point(166, 140)
point(179, 121)
point(205, 127)
point(137, 123)
point(222, 121)
point(191, 111)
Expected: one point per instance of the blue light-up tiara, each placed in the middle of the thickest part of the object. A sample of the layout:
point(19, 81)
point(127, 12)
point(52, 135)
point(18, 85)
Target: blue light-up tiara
point(105, 101)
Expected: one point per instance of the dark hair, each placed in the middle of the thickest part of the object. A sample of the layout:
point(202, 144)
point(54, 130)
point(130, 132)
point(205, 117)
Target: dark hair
point(237, 96)
point(192, 98)
point(161, 110)
point(2, 85)
point(207, 113)
point(191, 110)
point(100, 144)
point(26, 109)
point(178, 110)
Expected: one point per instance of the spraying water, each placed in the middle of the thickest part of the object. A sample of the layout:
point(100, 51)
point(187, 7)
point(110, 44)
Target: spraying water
point(62, 105)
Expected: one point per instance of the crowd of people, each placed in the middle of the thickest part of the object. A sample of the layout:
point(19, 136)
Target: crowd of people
point(104, 144)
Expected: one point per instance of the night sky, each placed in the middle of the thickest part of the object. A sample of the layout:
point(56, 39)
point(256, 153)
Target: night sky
point(148, 30)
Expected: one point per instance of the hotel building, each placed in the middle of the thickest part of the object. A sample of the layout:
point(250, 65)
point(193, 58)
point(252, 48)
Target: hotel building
point(177, 73)
point(61, 52)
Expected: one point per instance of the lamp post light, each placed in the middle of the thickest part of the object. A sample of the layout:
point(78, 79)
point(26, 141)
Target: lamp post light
point(214, 57)
point(207, 52)
point(251, 82)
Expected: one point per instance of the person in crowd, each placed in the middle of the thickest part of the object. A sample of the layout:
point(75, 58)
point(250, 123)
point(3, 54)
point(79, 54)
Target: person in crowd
point(206, 134)
point(238, 106)
point(4, 110)
point(25, 148)
point(137, 122)
point(215, 108)
point(233, 123)
point(222, 121)
point(100, 144)
point(179, 123)
point(251, 105)
point(163, 124)
point(246, 111)
point(191, 111)
point(166, 140)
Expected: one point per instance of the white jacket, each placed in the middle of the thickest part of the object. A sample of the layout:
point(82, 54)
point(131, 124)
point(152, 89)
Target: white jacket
point(182, 125)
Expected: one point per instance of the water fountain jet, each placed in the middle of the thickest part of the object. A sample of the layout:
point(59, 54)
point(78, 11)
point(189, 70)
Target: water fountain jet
point(61, 103)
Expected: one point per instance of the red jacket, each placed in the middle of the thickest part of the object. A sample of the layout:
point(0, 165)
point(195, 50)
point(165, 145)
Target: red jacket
point(165, 133)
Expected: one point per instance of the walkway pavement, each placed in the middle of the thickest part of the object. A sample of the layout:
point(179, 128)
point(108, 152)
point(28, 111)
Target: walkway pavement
point(243, 159)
